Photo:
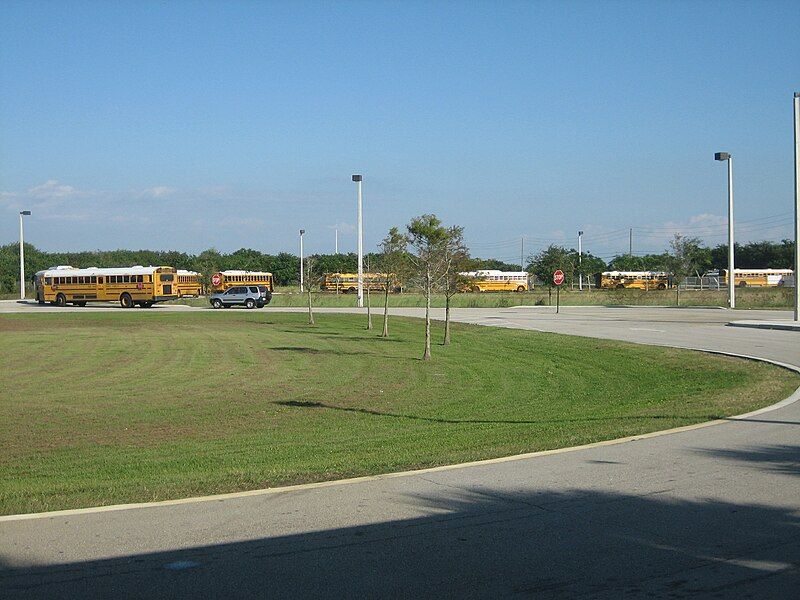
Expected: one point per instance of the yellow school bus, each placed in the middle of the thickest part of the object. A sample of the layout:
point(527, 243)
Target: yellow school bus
point(635, 280)
point(140, 286)
point(756, 277)
point(226, 279)
point(347, 283)
point(187, 283)
point(491, 280)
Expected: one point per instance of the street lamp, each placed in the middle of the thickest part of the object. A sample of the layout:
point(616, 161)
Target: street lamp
point(721, 156)
point(797, 206)
point(302, 231)
point(580, 261)
point(22, 213)
point(358, 179)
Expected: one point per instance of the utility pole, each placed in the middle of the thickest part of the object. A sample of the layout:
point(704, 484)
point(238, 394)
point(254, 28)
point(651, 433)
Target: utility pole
point(302, 231)
point(522, 253)
point(336, 246)
point(630, 242)
point(580, 262)
point(358, 179)
point(22, 213)
point(797, 206)
point(725, 156)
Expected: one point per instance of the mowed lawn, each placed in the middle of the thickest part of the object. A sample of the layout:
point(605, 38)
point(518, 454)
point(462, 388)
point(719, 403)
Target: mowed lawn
point(128, 406)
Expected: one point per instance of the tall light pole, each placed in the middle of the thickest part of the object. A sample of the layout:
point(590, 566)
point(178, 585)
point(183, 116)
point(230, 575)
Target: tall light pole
point(336, 243)
point(302, 231)
point(797, 206)
point(731, 274)
point(22, 213)
point(358, 179)
point(580, 262)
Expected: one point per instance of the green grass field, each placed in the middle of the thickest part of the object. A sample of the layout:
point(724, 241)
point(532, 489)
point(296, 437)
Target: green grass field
point(102, 408)
point(772, 298)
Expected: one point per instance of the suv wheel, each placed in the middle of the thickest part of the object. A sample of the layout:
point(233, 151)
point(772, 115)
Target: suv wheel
point(216, 303)
point(250, 303)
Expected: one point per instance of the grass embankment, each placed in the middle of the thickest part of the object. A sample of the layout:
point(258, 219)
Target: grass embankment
point(773, 298)
point(107, 408)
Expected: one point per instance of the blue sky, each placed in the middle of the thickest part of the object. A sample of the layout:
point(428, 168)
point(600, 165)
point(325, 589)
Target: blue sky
point(185, 125)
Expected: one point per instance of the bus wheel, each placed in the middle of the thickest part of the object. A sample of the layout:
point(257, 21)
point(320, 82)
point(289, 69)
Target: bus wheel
point(620, 286)
point(61, 300)
point(521, 288)
point(250, 303)
point(351, 290)
point(742, 284)
point(476, 289)
point(216, 303)
point(662, 286)
point(125, 300)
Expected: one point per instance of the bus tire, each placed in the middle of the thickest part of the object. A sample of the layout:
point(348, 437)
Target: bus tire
point(125, 300)
point(620, 286)
point(61, 300)
point(662, 286)
point(521, 288)
point(742, 284)
point(249, 303)
point(476, 289)
point(351, 290)
point(216, 303)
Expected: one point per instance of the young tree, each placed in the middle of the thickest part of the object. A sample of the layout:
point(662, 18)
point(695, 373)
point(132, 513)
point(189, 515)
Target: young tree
point(310, 284)
point(428, 239)
point(685, 258)
point(395, 264)
point(456, 255)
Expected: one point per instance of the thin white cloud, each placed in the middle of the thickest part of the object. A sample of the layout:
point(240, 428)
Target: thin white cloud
point(52, 189)
point(160, 191)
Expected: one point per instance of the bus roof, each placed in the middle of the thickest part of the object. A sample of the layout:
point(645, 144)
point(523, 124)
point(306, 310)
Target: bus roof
point(234, 272)
point(632, 273)
point(137, 270)
point(185, 272)
point(494, 273)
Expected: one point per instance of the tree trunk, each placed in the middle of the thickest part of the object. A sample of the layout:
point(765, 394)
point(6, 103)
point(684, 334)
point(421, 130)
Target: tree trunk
point(310, 313)
point(386, 312)
point(427, 354)
point(549, 296)
point(677, 295)
point(369, 310)
point(446, 320)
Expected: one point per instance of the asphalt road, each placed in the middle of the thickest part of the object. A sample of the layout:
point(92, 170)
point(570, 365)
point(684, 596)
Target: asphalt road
point(707, 512)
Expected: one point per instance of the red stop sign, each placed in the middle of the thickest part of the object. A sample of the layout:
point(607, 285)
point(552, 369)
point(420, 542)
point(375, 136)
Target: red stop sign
point(216, 279)
point(558, 277)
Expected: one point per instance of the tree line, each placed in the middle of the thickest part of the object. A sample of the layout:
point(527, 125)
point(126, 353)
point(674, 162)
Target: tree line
point(285, 266)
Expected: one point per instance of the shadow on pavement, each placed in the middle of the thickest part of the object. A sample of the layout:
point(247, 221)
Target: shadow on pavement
point(579, 543)
point(781, 458)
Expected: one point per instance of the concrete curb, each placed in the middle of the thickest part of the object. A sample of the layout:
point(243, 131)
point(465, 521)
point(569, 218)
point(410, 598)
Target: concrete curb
point(779, 325)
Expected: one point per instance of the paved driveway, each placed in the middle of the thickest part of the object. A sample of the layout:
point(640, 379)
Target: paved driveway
point(708, 512)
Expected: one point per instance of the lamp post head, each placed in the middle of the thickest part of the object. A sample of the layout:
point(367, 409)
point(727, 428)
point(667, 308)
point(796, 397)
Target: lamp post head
point(25, 212)
point(721, 156)
point(302, 231)
point(357, 178)
point(580, 233)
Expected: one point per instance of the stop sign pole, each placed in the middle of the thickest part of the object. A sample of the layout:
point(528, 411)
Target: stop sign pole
point(558, 279)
